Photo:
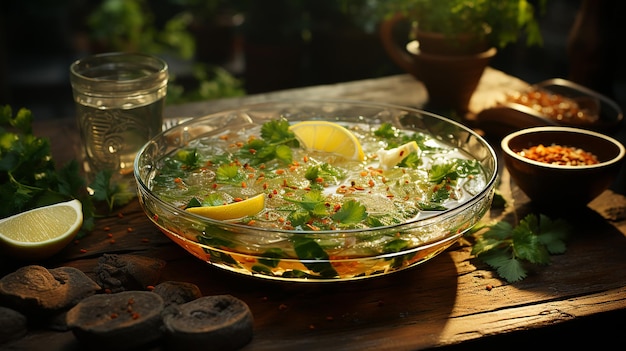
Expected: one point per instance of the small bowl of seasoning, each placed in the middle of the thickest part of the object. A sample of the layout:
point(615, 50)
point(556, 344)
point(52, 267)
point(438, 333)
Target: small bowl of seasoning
point(553, 102)
point(562, 166)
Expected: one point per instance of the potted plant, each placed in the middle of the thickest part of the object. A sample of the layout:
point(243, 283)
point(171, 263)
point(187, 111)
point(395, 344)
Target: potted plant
point(454, 40)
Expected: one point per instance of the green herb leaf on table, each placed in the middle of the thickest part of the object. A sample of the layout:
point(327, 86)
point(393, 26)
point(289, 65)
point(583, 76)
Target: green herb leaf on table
point(29, 177)
point(509, 249)
point(114, 194)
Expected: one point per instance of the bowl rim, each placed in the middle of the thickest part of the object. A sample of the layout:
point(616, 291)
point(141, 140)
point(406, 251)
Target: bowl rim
point(489, 184)
point(504, 143)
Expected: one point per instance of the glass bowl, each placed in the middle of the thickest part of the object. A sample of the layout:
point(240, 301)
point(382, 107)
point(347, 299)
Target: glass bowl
point(308, 255)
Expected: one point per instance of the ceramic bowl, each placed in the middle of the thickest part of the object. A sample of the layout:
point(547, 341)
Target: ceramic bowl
point(330, 255)
point(602, 114)
point(564, 186)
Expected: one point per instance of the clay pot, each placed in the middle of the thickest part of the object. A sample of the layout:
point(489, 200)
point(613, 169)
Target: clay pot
point(450, 69)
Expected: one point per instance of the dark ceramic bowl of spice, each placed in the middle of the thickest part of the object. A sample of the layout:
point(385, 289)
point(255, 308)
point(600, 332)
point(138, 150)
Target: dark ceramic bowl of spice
point(562, 166)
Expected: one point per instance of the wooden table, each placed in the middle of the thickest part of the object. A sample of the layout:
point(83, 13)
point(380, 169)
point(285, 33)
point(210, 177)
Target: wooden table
point(453, 301)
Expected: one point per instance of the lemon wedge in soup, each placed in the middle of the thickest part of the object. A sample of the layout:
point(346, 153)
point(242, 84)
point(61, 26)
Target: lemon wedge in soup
point(41, 232)
point(329, 137)
point(233, 210)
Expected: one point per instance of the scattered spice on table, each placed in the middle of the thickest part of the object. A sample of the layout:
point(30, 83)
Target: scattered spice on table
point(559, 155)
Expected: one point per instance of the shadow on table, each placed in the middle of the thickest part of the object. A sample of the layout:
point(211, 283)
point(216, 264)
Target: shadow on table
point(391, 311)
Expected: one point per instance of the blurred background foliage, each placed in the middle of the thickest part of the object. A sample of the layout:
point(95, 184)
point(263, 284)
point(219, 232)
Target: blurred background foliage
point(224, 48)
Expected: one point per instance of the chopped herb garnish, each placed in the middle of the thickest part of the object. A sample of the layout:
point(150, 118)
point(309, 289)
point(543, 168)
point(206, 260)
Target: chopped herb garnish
point(352, 212)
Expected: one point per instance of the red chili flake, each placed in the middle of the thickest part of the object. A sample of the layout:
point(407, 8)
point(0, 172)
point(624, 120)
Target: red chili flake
point(489, 287)
point(280, 171)
point(113, 315)
point(305, 159)
point(244, 185)
point(223, 137)
point(363, 173)
point(108, 291)
point(83, 250)
point(214, 186)
point(120, 215)
point(178, 180)
point(109, 235)
point(311, 326)
point(155, 217)
point(150, 287)
point(252, 151)
point(106, 229)
point(130, 230)
point(112, 241)
point(264, 298)
point(237, 199)
point(282, 307)
point(145, 240)
point(559, 155)
point(135, 315)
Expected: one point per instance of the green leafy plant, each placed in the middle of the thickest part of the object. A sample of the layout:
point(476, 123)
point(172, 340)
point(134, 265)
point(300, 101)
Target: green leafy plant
point(131, 25)
point(499, 23)
point(510, 249)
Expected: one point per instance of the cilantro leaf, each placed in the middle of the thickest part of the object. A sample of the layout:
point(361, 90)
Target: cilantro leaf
point(229, 174)
point(505, 247)
point(506, 266)
point(386, 130)
point(277, 131)
point(114, 194)
point(351, 212)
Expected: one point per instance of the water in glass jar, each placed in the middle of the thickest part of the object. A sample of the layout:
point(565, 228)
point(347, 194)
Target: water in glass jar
point(112, 136)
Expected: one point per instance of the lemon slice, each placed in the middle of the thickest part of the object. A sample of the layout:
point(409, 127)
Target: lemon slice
point(389, 158)
point(329, 137)
point(247, 207)
point(42, 232)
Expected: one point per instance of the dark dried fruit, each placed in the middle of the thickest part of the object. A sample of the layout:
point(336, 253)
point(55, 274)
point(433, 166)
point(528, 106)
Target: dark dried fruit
point(176, 293)
point(127, 272)
point(36, 289)
point(119, 321)
point(13, 325)
point(221, 322)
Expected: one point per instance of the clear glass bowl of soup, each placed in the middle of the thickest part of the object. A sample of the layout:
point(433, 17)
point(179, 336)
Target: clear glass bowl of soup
point(395, 216)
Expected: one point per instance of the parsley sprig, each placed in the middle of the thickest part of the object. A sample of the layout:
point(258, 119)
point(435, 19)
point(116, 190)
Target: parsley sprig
point(510, 249)
point(30, 178)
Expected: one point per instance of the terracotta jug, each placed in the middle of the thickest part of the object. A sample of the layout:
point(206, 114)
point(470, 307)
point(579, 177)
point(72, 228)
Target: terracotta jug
point(449, 72)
